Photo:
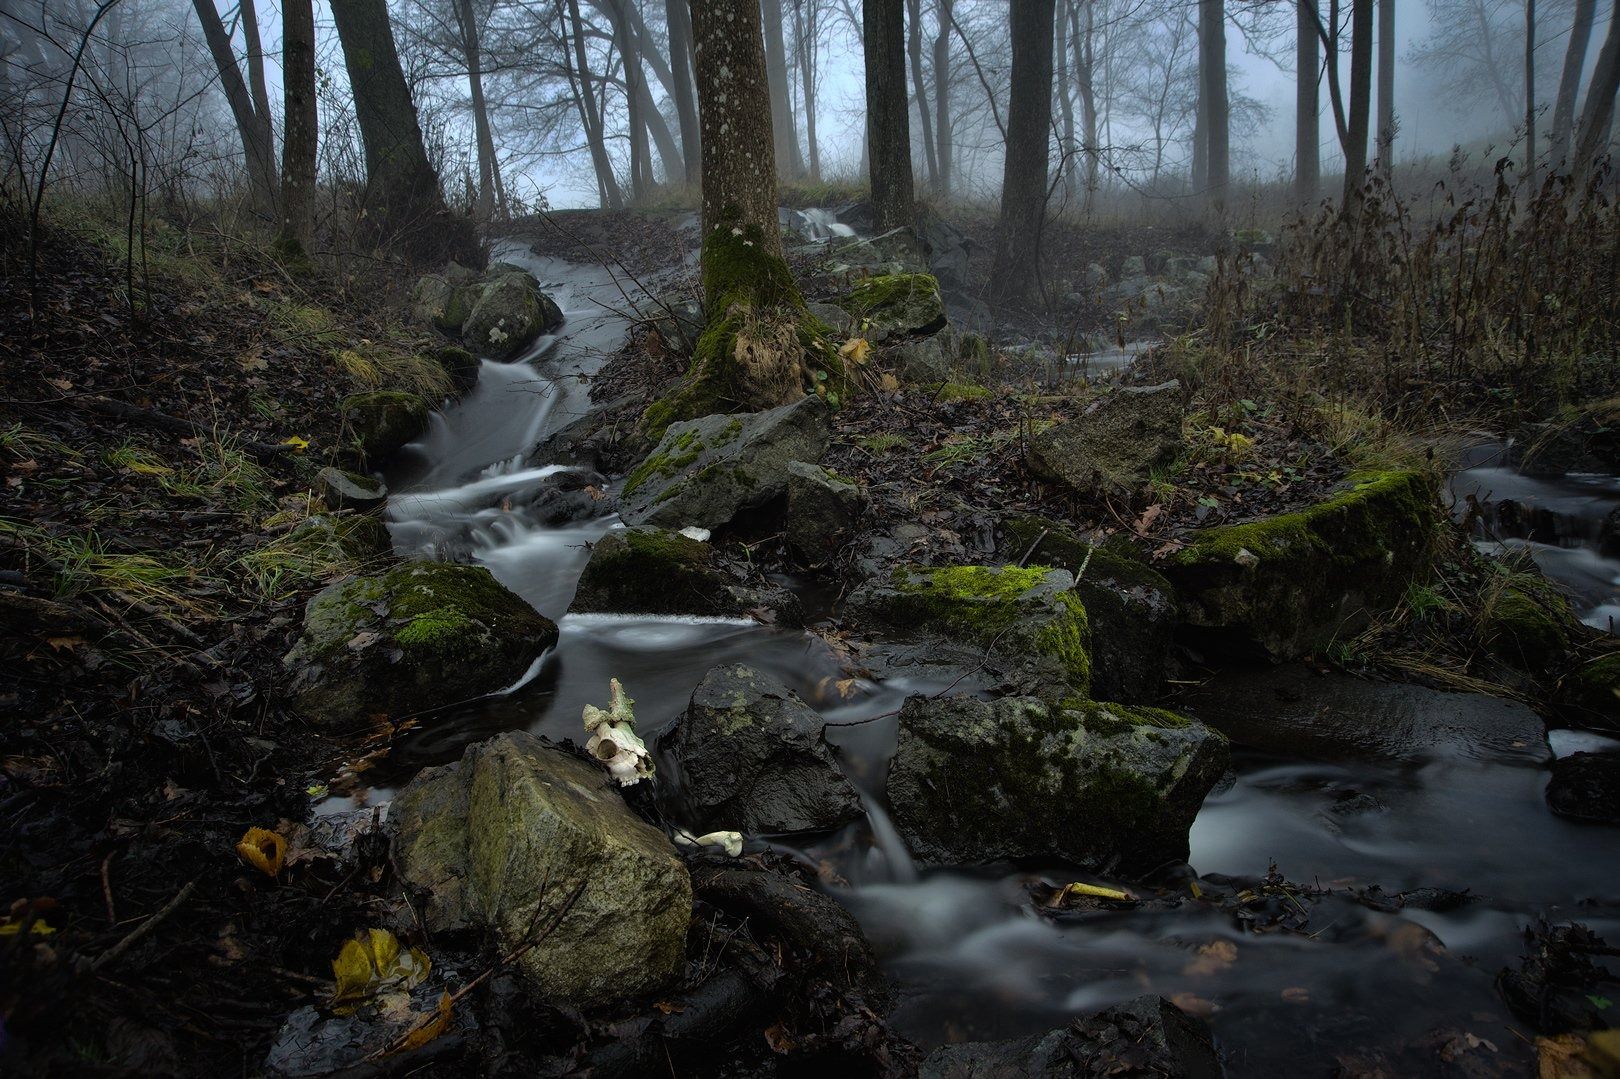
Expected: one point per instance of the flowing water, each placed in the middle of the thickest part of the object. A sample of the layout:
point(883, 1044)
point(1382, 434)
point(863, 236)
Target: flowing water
point(972, 957)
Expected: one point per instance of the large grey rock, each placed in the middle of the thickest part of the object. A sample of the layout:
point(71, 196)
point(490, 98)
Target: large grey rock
point(706, 471)
point(753, 758)
point(340, 490)
point(822, 511)
point(1298, 712)
point(509, 313)
point(896, 305)
point(1099, 785)
point(1147, 1036)
point(835, 318)
point(443, 300)
point(646, 570)
point(1112, 447)
point(383, 421)
point(421, 635)
point(511, 834)
point(1130, 605)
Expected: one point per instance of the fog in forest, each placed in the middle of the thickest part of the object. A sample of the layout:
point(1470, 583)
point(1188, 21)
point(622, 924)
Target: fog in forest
point(570, 125)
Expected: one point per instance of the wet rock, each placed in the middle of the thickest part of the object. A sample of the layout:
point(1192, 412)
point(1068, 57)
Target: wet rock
point(421, 635)
point(383, 421)
point(1115, 443)
point(1286, 586)
point(509, 313)
point(513, 833)
point(1591, 695)
point(565, 497)
point(606, 438)
point(1586, 786)
point(822, 511)
point(705, 472)
point(1099, 785)
point(896, 305)
point(753, 759)
point(1294, 711)
point(1030, 618)
point(646, 570)
point(1558, 988)
point(1130, 605)
point(340, 490)
point(1147, 1036)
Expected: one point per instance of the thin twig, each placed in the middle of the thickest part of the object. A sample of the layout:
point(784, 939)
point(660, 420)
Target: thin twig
point(142, 931)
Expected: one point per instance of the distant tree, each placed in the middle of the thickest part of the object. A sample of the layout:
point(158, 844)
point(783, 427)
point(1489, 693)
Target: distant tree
point(679, 18)
point(1214, 112)
point(1361, 63)
point(405, 204)
point(1307, 104)
point(1028, 144)
point(1597, 118)
point(299, 124)
point(1386, 84)
point(1569, 82)
point(942, 94)
point(887, 114)
point(490, 189)
point(919, 85)
point(252, 121)
point(786, 133)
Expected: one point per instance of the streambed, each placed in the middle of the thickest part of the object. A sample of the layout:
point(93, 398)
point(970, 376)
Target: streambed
point(1434, 805)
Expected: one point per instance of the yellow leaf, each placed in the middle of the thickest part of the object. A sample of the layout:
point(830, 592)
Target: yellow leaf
point(371, 963)
point(433, 1027)
point(855, 350)
point(263, 850)
point(297, 442)
point(12, 926)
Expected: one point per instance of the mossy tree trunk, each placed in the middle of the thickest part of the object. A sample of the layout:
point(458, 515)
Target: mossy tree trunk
point(760, 348)
point(404, 200)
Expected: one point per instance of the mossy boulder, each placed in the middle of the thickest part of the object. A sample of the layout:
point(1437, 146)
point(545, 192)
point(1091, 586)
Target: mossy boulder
point(421, 635)
point(822, 512)
point(1130, 605)
point(341, 490)
point(896, 305)
point(1590, 695)
point(1529, 625)
point(443, 301)
point(1094, 784)
point(705, 472)
point(460, 365)
point(1116, 442)
point(1029, 618)
point(1287, 586)
point(508, 836)
point(646, 570)
point(383, 421)
point(753, 758)
point(509, 313)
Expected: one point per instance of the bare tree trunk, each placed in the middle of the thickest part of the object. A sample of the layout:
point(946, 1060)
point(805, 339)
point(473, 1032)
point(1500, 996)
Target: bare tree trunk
point(1361, 63)
point(488, 167)
point(942, 93)
point(405, 201)
point(1597, 116)
point(1085, 62)
point(1307, 106)
point(804, 47)
point(1530, 87)
point(888, 123)
point(255, 61)
point(788, 158)
point(1028, 164)
point(1213, 96)
point(919, 87)
point(1067, 165)
point(612, 198)
point(679, 18)
point(1386, 86)
point(634, 94)
point(1569, 83)
point(258, 144)
point(298, 147)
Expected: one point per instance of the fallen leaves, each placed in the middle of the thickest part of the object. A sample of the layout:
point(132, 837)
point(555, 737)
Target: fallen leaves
point(371, 963)
point(262, 849)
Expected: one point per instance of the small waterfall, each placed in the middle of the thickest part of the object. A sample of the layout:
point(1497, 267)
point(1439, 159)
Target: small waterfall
point(902, 870)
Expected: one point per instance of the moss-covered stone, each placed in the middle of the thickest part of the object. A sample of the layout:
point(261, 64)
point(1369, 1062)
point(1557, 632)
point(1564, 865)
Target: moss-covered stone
point(1528, 625)
point(1113, 446)
point(1131, 606)
point(517, 825)
point(383, 421)
point(1091, 783)
point(1030, 615)
point(896, 305)
point(509, 313)
point(1591, 694)
point(441, 302)
point(419, 636)
point(653, 571)
point(1287, 586)
point(460, 365)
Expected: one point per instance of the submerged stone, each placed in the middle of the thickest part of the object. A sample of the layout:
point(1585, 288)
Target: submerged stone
point(1115, 443)
point(1147, 1036)
point(705, 472)
point(753, 758)
point(1130, 605)
point(1029, 617)
point(1099, 785)
point(383, 421)
point(648, 570)
point(1287, 586)
point(895, 305)
point(509, 313)
point(421, 635)
point(513, 833)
